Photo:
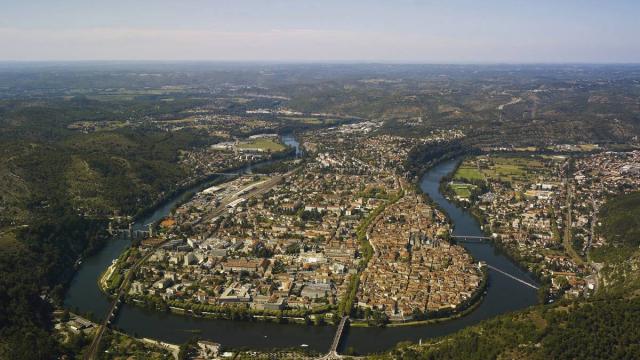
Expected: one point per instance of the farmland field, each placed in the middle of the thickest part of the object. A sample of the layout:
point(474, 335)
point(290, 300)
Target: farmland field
point(262, 144)
point(305, 120)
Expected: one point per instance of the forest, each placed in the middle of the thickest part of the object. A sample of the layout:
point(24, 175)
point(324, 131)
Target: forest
point(58, 186)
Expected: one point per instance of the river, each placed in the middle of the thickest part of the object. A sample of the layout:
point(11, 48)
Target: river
point(503, 295)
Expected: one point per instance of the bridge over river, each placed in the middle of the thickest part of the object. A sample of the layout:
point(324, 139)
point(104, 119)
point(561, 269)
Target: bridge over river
point(513, 277)
point(479, 238)
point(470, 237)
point(333, 351)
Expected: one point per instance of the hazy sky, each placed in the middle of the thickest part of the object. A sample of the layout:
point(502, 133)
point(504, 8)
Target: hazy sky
point(322, 30)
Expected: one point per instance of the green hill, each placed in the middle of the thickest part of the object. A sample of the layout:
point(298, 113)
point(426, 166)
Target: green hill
point(56, 187)
point(620, 220)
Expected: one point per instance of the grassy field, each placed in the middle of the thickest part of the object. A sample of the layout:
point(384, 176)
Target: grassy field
point(462, 190)
point(312, 120)
point(305, 120)
point(526, 149)
point(263, 144)
point(8, 241)
point(130, 95)
point(588, 147)
point(468, 171)
point(505, 168)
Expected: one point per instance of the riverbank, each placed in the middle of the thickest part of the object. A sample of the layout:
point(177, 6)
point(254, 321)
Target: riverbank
point(72, 328)
point(229, 313)
point(474, 303)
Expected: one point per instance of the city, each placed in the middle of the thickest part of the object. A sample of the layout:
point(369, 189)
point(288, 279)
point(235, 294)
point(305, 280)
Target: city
point(285, 179)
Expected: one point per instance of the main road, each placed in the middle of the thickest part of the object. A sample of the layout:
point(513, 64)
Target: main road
point(567, 239)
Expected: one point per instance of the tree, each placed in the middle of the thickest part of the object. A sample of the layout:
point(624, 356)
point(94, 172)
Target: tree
point(379, 318)
point(65, 315)
point(188, 349)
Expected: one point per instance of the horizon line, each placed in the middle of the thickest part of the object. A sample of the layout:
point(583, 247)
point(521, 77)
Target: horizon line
point(316, 62)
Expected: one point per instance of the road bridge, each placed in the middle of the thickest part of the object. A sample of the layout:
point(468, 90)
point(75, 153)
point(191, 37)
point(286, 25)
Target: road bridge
point(470, 237)
point(236, 173)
